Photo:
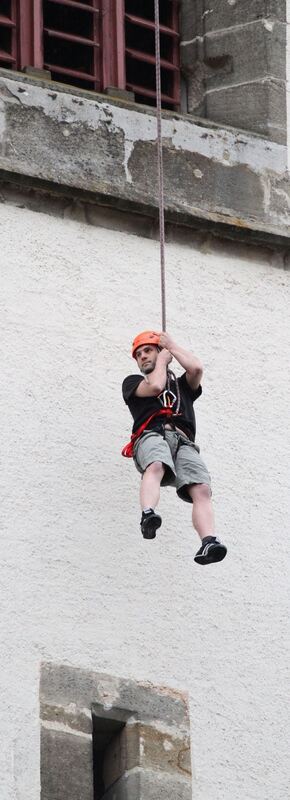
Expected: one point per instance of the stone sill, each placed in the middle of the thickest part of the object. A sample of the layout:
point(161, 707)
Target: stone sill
point(104, 149)
point(118, 100)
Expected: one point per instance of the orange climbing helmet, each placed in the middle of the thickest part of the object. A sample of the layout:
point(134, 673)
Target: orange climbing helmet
point(146, 337)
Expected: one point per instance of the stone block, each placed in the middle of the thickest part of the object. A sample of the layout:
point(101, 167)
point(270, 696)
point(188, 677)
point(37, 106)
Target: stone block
point(257, 107)
point(191, 19)
point(146, 747)
point(226, 186)
point(127, 788)
point(149, 785)
point(71, 716)
point(66, 766)
point(253, 52)
point(63, 685)
point(225, 14)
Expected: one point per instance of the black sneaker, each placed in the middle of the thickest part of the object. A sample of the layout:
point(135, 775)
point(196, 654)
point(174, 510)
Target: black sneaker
point(149, 524)
point(210, 551)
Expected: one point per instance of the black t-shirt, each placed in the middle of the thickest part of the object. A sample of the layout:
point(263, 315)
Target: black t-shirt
point(142, 407)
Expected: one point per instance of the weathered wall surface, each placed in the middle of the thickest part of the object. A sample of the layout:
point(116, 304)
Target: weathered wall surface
point(108, 151)
point(288, 80)
point(78, 584)
point(234, 59)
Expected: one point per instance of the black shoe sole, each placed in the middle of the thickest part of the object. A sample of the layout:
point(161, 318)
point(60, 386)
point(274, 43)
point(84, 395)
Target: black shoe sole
point(217, 553)
point(150, 526)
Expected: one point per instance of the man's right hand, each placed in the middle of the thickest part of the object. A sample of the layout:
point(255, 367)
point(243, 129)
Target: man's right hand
point(154, 383)
point(165, 356)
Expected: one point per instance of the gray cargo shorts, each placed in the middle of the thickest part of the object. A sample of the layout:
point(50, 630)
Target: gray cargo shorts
point(183, 463)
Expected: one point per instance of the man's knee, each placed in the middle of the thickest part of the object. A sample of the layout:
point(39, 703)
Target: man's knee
point(155, 469)
point(199, 492)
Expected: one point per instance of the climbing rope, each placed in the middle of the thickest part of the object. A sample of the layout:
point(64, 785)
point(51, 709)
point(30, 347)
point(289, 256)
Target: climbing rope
point(160, 163)
point(170, 373)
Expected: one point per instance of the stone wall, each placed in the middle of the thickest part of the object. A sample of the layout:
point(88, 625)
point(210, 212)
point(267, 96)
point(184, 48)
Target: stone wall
point(137, 736)
point(234, 59)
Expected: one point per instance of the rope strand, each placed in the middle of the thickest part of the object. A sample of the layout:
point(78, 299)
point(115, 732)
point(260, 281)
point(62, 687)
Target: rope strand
point(160, 163)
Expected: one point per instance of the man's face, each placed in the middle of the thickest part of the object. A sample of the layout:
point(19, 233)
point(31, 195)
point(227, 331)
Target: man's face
point(146, 358)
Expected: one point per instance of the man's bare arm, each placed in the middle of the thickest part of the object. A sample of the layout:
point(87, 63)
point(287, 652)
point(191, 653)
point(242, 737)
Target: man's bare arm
point(156, 380)
point(187, 360)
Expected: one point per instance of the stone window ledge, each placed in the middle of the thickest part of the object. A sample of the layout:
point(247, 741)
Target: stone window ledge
point(106, 147)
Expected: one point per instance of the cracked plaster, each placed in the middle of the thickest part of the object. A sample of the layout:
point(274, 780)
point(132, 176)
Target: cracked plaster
point(103, 146)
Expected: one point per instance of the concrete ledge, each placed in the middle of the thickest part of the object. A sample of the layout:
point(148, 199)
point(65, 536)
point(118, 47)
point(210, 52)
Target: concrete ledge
point(107, 150)
point(65, 203)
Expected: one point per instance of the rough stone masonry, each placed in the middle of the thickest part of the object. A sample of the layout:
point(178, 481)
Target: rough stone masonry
point(133, 737)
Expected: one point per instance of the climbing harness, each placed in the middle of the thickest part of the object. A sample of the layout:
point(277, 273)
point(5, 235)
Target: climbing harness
point(129, 448)
point(168, 398)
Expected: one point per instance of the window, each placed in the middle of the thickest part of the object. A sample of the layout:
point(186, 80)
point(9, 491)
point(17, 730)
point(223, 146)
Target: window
point(140, 51)
point(95, 44)
point(8, 31)
point(72, 42)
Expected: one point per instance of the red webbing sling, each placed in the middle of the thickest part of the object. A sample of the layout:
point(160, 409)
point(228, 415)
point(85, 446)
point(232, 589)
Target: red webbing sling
point(128, 449)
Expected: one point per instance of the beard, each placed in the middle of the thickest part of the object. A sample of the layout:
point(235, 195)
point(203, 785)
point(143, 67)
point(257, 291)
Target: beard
point(146, 370)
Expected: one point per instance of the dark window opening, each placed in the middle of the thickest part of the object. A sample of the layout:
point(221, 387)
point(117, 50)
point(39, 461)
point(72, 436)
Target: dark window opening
point(68, 55)
point(144, 39)
point(107, 725)
point(140, 51)
point(145, 9)
point(71, 42)
point(141, 79)
point(6, 8)
point(68, 20)
point(5, 40)
point(8, 53)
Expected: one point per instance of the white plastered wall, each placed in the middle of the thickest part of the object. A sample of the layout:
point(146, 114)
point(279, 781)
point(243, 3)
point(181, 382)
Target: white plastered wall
point(288, 78)
point(78, 584)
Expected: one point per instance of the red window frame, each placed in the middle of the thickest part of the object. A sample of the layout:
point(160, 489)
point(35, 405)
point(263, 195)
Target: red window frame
point(107, 45)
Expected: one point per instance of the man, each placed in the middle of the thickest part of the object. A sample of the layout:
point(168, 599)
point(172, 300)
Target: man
point(163, 439)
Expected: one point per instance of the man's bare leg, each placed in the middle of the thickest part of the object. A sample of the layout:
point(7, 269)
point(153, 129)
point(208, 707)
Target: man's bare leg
point(150, 485)
point(211, 549)
point(202, 509)
point(149, 499)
